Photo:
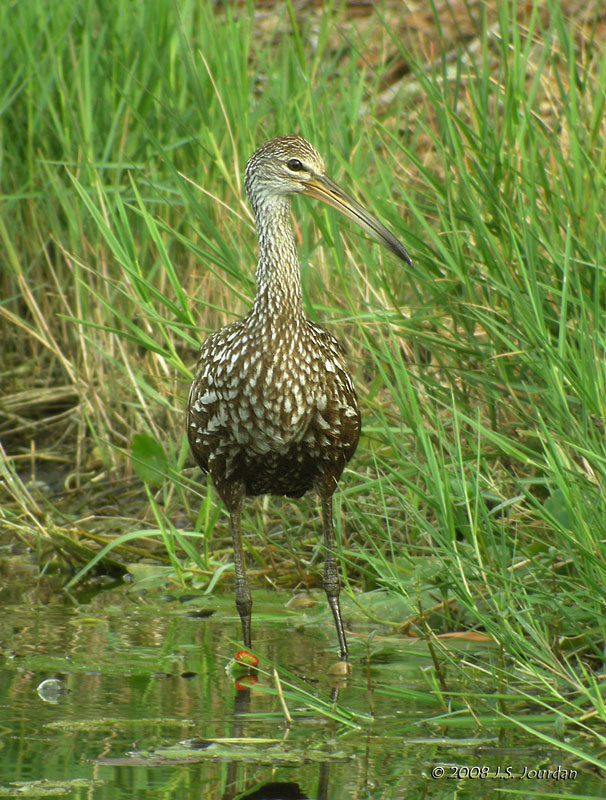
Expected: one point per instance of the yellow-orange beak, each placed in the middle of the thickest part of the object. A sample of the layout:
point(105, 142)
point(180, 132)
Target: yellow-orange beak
point(322, 188)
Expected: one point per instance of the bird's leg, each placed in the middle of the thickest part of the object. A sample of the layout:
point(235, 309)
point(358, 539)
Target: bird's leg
point(243, 598)
point(331, 583)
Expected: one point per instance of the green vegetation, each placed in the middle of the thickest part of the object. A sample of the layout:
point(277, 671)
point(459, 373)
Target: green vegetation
point(477, 491)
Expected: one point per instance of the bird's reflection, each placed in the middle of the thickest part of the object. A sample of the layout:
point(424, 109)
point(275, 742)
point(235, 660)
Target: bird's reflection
point(273, 790)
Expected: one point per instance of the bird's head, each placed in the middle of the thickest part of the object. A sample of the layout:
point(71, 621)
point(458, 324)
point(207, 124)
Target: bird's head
point(290, 165)
point(282, 166)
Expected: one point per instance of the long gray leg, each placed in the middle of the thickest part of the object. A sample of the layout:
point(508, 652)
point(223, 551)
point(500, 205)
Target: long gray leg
point(243, 598)
point(331, 582)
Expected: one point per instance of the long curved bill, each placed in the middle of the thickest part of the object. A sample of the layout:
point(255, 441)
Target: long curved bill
point(322, 188)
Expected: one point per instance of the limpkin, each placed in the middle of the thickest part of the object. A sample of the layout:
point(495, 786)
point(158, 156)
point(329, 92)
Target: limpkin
point(272, 409)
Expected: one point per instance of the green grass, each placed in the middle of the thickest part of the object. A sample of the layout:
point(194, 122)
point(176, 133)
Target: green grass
point(477, 490)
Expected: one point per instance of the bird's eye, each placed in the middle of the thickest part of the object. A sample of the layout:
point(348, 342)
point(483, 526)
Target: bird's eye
point(294, 164)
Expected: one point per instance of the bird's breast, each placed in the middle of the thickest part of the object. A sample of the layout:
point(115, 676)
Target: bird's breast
point(266, 391)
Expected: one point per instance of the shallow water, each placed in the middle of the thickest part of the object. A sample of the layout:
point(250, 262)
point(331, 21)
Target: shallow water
point(143, 691)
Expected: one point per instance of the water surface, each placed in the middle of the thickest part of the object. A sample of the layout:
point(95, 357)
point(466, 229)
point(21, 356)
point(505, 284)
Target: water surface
point(145, 707)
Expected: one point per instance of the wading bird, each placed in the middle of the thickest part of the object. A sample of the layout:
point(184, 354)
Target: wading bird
point(272, 409)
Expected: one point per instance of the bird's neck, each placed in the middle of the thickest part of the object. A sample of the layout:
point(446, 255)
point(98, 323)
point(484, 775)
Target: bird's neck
point(278, 277)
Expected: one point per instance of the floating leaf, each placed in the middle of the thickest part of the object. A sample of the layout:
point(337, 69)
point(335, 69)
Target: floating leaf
point(246, 658)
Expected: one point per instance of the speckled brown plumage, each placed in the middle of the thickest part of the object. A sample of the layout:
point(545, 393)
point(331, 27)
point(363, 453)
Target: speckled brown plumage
point(272, 409)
